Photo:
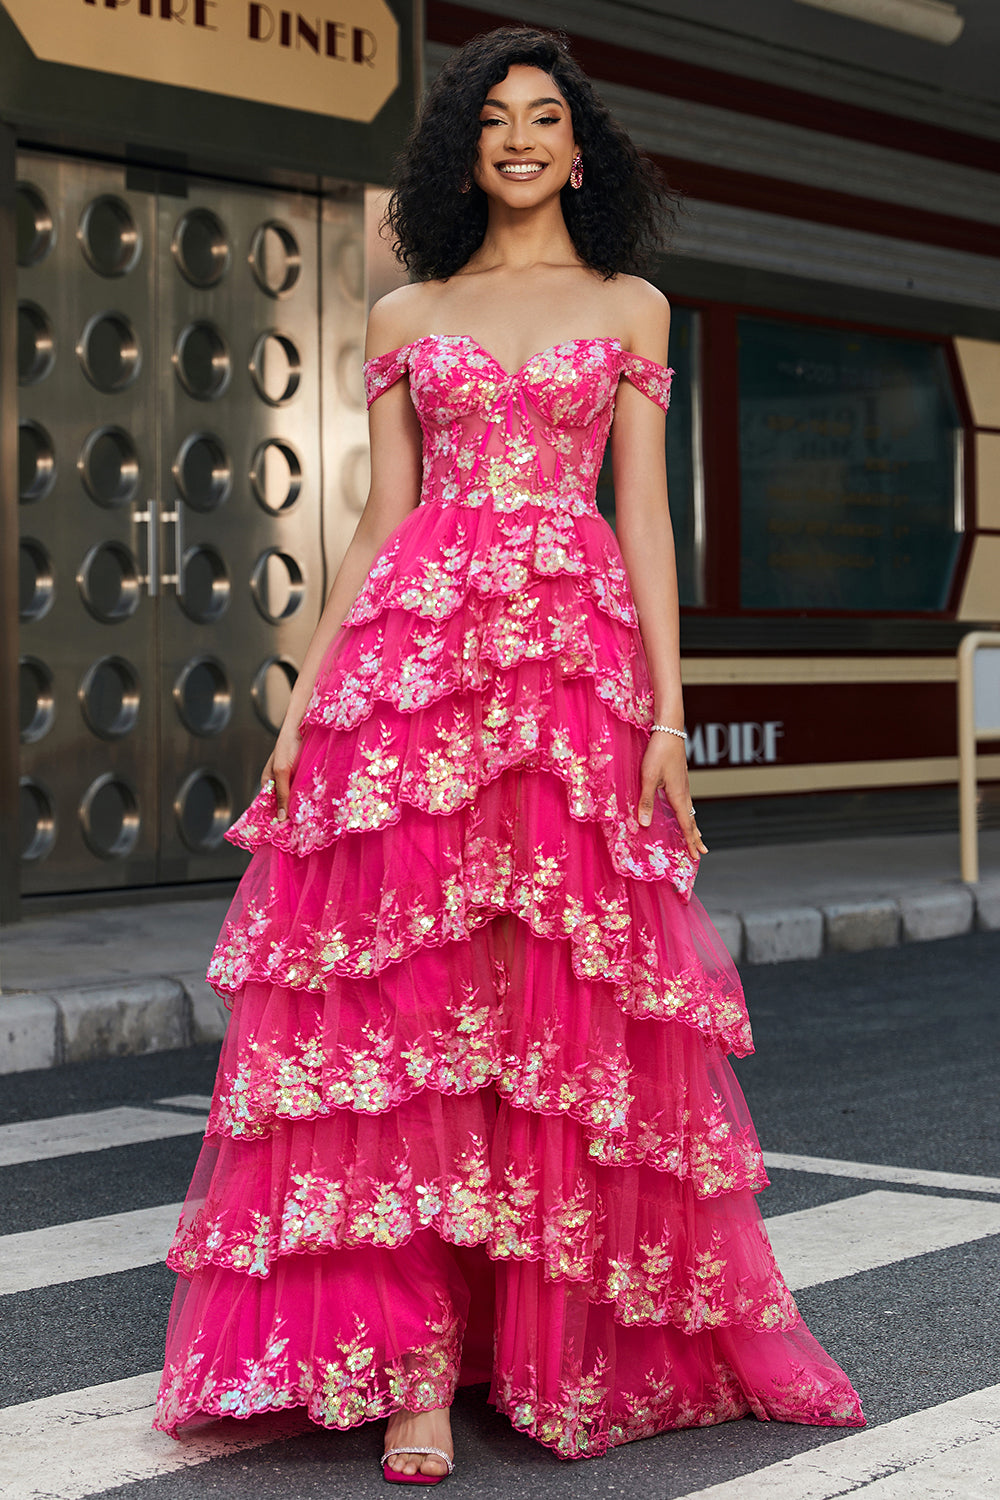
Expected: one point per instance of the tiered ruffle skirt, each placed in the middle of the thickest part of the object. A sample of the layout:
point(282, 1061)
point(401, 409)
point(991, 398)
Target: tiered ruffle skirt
point(474, 1117)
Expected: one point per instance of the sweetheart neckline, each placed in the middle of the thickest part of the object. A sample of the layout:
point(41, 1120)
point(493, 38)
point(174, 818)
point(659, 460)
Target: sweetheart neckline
point(468, 338)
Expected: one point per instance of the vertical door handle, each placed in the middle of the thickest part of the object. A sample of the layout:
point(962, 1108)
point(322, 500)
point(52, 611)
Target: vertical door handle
point(150, 518)
point(175, 518)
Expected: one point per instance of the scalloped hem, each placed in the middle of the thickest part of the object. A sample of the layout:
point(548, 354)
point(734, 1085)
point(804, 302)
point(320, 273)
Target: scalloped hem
point(618, 1435)
point(482, 917)
point(716, 1012)
point(590, 578)
point(754, 1182)
point(626, 1160)
point(260, 831)
point(766, 1322)
point(314, 718)
point(298, 1399)
point(577, 1112)
point(728, 1408)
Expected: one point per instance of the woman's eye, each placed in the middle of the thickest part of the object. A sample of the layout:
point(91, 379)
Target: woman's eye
point(542, 120)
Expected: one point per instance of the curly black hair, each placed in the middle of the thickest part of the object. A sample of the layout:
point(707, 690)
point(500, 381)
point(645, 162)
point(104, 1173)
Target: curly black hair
point(618, 220)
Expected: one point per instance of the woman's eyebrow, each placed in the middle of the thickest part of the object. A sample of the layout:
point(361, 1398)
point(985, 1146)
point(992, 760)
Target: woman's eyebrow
point(535, 104)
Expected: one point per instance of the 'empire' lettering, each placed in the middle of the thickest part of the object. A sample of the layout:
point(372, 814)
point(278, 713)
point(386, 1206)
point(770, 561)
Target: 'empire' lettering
point(196, 12)
point(325, 38)
point(735, 744)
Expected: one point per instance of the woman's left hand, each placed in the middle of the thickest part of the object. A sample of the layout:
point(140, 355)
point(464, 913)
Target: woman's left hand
point(665, 765)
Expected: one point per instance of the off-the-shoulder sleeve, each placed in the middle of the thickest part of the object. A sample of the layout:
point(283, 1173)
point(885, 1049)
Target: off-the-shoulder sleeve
point(383, 371)
point(649, 377)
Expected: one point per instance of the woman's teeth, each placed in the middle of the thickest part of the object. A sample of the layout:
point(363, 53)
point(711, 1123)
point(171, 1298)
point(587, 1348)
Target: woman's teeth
point(521, 169)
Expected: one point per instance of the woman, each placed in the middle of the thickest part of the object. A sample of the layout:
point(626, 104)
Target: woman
point(474, 1118)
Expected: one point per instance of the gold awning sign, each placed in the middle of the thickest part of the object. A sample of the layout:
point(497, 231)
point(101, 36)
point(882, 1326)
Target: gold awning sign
point(333, 57)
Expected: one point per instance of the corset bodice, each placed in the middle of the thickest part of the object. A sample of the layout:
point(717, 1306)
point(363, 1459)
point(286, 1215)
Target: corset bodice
point(532, 437)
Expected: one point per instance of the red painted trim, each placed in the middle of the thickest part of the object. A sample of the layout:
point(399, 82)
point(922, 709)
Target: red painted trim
point(452, 25)
point(820, 205)
point(830, 721)
point(720, 451)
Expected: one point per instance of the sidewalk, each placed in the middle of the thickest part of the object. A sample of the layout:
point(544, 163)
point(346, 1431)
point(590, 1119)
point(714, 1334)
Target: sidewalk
point(122, 979)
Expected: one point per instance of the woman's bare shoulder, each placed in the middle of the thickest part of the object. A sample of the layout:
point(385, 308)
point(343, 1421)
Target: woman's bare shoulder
point(400, 317)
point(640, 299)
point(644, 313)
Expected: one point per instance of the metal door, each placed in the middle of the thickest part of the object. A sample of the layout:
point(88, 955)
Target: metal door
point(172, 521)
point(87, 467)
point(240, 477)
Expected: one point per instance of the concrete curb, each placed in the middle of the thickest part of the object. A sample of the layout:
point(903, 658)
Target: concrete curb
point(88, 1022)
point(797, 932)
point(209, 1016)
point(857, 926)
point(84, 1023)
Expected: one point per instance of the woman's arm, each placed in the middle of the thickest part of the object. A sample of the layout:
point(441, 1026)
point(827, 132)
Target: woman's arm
point(394, 434)
point(646, 538)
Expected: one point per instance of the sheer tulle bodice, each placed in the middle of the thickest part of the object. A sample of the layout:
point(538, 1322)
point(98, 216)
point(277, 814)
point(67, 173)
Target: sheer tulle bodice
point(475, 1080)
point(534, 437)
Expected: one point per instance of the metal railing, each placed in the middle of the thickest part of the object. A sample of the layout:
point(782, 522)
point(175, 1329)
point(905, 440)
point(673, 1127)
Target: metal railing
point(978, 719)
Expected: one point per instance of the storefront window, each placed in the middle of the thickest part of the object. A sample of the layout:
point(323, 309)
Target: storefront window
point(683, 457)
point(849, 470)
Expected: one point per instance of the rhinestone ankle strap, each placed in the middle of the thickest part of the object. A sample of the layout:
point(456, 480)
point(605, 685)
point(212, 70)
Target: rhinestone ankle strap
point(433, 1452)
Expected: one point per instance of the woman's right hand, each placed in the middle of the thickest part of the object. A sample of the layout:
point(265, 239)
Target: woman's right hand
point(280, 768)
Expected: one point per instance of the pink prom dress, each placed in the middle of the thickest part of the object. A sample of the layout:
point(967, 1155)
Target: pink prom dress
point(474, 1118)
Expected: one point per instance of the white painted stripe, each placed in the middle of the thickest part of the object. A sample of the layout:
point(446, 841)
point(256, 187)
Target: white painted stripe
point(189, 1101)
point(822, 1244)
point(69, 1446)
point(869, 1172)
point(950, 1452)
point(90, 1247)
point(66, 1135)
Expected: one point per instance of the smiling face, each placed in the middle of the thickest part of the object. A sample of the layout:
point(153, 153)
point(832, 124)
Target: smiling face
point(526, 140)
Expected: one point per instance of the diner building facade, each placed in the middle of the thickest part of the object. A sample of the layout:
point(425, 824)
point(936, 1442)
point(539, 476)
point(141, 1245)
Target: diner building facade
point(834, 439)
point(182, 454)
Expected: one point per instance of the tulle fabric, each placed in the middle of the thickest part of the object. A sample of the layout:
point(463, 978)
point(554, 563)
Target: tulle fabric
point(474, 1117)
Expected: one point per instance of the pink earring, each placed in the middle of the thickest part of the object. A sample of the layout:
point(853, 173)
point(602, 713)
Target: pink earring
point(465, 185)
point(576, 172)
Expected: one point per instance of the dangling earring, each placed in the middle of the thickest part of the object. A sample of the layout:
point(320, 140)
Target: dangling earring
point(576, 172)
point(466, 184)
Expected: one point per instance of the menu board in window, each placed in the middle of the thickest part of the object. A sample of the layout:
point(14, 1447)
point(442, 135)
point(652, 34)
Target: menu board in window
point(849, 447)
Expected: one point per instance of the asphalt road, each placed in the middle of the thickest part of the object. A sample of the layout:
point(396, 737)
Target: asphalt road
point(864, 1063)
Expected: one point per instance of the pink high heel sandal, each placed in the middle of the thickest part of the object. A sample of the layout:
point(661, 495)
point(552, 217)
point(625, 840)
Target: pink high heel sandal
point(393, 1476)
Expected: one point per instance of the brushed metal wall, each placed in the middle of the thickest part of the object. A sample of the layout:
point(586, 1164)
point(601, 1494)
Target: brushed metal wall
point(175, 523)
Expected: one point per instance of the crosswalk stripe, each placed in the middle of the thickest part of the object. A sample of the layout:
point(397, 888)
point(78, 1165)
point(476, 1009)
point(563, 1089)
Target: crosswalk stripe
point(951, 1450)
point(815, 1245)
point(78, 1444)
point(88, 1247)
point(75, 1445)
point(189, 1101)
point(868, 1171)
point(70, 1446)
point(812, 1246)
point(65, 1135)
